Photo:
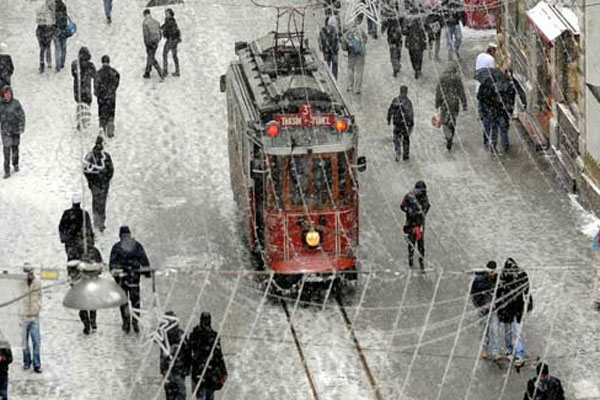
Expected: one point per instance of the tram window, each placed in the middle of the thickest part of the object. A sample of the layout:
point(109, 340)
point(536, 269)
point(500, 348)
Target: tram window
point(322, 190)
point(342, 176)
point(275, 189)
point(298, 179)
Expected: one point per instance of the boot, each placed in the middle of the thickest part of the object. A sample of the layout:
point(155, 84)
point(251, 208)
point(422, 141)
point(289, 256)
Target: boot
point(136, 327)
point(449, 144)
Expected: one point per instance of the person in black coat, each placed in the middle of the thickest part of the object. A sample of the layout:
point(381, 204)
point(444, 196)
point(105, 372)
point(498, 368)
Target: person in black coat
point(330, 45)
point(201, 342)
point(172, 34)
point(416, 206)
point(12, 126)
point(98, 170)
point(416, 41)
point(400, 113)
point(483, 295)
point(394, 39)
point(71, 228)
point(60, 35)
point(83, 71)
point(174, 357)
point(6, 66)
point(434, 23)
point(543, 386)
point(105, 88)
point(6, 358)
point(127, 257)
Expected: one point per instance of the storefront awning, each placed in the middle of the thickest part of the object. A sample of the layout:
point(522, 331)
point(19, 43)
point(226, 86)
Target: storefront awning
point(551, 21)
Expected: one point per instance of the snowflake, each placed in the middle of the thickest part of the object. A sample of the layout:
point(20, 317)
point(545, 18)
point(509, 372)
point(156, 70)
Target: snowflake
point(155, 317)
point(368, 8)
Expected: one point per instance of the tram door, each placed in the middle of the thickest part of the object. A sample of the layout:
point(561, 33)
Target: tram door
point(258, 175)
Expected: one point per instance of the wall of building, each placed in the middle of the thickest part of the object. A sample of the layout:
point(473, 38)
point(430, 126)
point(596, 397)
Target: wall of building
point(592, 60)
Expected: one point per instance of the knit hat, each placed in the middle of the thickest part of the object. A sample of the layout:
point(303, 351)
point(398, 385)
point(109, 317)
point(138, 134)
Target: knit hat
point(76, 198)
point(99, 140)
point(491, 266)
point(124, 230)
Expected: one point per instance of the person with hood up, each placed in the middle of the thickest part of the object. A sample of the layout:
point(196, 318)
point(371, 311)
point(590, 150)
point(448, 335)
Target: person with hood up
point(416, 41)
point(416, 206)
point(434, 23)
point(174, 357)
point(6, 66)
point(73, 223)
point(127, 257)
point(6, 358)
point(449, 94)
point(105, 88)
point(393, 27)
point(60, 33)
point(208, 365)
point(354, 41)
point(483, 294)
point(98, 170)
point(329, 44)
point(30, 320)
point(12, 125)
point(401, 114)
point(543, 386)
point(83, 71)
point(46, 26)
point(152, 36)
point(515, 299)
point(172, 34)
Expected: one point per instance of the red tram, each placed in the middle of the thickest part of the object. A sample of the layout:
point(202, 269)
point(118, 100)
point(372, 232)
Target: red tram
point(293, 160)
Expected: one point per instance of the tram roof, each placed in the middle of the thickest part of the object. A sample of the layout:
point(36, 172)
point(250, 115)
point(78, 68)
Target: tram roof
point(282, 74)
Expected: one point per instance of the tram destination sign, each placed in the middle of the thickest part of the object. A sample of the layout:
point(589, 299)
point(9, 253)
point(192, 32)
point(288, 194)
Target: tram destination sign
point(305, 117)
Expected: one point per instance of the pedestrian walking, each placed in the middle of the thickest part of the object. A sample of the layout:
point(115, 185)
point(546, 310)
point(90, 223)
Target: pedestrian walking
point(108, 10)
point(127, 257)
point(45, 31)
point(73, 223)
point(30, 321)
point(483, 62)
point(434, 23)
point(6, 358)
point(60, 33)
point(453, 15)
point(416, 41)
point(208, 365)
point(329, 45)
point(515, 299)
point(12, 125)
point(98, 170)
point(174, 357)
point(83, 71)
point(449, 94)
point(483, 295)
point(152, 36)
point(400, 113)
point(393, 27)
point(372, 7)
point(172, 34)
point(87, 317)
point(354, 41)
point(6, 66)
point(416, 206)
point(543, 386)
point(106, 84)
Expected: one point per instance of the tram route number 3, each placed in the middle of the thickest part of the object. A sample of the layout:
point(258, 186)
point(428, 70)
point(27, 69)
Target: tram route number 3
point(305, 117)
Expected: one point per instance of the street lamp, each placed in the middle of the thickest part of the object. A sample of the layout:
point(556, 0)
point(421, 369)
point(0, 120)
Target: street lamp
point(90, 291)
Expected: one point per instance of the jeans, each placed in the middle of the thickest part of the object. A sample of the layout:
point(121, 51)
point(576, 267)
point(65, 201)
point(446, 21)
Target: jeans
point(175, 387)
point(356, 67)
point(501, 123)
point(454, 38)
point(10, 152)
point(107, 8)
point(31, 328)
point(331, 59)
point(99, 196)
point(151, 59)
point(202, 393)
point(486, 116)
point(402, 141)
point(412, 239)
point(170, 45)
point(396, 56)
point(513, 342)
point(60, 49)
point(491, 343)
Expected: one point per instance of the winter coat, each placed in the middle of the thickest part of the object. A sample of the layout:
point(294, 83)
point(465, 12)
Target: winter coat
point(60, 17)
point(416, 206)
point(449, 94)
point(497, 94)
point(434, 23)
point(45, 34)
point(482, 290)
point(414, 32)
point(175, 340)
point(6, 69)
point(6, 357)
point(512, 292)
point(70, 227)
point(129, 255)
point(151, 30)
point(400, 113)
point(389, 14)
point(200, 342)
point(106, 83)
point(82, 91)
point(12, 121)
point(32, 302)
point(359, 33)
point(98, 169)
point(170, 30)
point(328, 40)
point(550, 389)
point(394, 32)
point(454, 12)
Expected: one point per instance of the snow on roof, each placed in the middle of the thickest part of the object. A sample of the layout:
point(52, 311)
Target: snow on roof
point(552, 22)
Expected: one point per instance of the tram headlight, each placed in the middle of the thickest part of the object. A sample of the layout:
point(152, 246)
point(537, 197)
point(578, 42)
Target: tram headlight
point(341, 125)
point(272, 129)
point(312, 238)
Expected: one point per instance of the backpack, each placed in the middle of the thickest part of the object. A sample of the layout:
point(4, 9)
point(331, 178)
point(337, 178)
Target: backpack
point(355, 45)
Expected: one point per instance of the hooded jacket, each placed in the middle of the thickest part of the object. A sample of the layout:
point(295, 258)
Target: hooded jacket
point(174, 339)
point(60, 16)
point(82, 91)
point(512, 292)
point(416, 39)
point(106, 83)
point(400, 113)
point(98, 168)
point(449, 94)
point(170, 30)
point(129, 255)
point(550, 389)
point(12, 118)
point(200, 342)
point(6, 357)
point(6, 66)
point(416, 206)
point(70, 227)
